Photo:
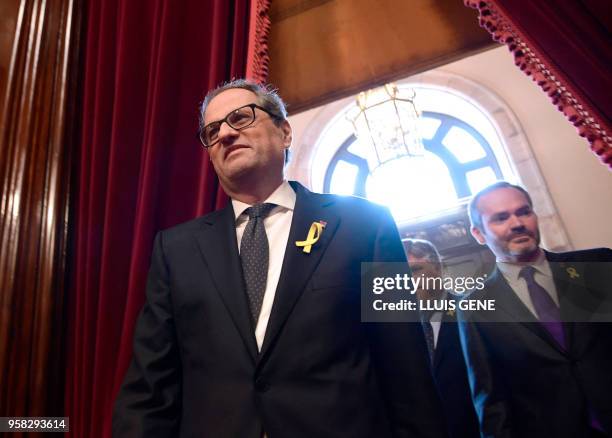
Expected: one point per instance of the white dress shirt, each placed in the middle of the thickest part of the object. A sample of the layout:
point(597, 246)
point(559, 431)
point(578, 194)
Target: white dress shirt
point(436, 322)
point(542, 275)
point(435, 319)
point(277, 225)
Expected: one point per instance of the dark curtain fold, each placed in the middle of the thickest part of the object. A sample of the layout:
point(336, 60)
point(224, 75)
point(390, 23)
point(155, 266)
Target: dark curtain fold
point(566, 46)
point(139, 168)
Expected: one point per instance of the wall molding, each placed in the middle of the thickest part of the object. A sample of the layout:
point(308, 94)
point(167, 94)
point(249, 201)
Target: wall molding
point(35, 160)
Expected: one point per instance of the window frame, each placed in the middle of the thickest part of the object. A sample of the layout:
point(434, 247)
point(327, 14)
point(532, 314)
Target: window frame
point(458, 171)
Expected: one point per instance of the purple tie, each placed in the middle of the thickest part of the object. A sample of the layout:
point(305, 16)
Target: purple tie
point(546, 309)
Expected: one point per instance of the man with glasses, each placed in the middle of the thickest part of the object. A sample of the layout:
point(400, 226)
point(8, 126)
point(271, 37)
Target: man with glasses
point(252, 324)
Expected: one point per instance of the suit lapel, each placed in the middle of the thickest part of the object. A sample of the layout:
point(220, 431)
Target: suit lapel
point(219, 247)
point(569, 291)
point(507, 301)
point(298, 266)
point(445, 335)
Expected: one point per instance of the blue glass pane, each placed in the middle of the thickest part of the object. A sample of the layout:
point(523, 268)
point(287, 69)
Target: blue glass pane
point(359, 148)
point(480, 178)
point(412, 186)
point(428, 127)
point(462, 145)
point(343, 178)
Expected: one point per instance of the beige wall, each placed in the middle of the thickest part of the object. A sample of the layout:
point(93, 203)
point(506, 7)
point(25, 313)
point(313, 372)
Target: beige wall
point(580, 187)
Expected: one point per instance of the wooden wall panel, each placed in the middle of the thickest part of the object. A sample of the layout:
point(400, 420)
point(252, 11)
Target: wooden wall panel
point(37, 58)
point(9, 11)
point(322, 50)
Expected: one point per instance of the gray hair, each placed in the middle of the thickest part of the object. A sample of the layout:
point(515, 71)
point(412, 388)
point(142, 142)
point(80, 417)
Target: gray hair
point(267, 97)
point(476, 215)
point(422, 249)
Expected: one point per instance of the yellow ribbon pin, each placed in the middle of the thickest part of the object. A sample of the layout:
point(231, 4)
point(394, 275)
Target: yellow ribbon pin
point(316, 229)
point(572, 273)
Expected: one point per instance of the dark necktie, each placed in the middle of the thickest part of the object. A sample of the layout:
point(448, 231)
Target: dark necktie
point(429, 337)
point(546, 309)
point(254, 255)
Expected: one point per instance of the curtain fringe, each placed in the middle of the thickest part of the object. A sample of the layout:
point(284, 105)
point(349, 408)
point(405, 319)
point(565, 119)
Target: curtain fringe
point(258, 59)
point(568, 102)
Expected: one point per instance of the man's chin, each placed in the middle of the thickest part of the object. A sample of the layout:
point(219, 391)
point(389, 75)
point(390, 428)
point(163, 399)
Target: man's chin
point(238, 154)
point(238, 167)
point(524, 250)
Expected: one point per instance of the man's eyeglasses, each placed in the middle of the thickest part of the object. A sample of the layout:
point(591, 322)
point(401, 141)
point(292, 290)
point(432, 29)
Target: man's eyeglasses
point(238, 119)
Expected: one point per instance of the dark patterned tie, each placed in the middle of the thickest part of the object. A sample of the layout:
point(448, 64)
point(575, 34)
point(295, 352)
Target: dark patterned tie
point(429, 337)
point(546, 309)
point(254, 255)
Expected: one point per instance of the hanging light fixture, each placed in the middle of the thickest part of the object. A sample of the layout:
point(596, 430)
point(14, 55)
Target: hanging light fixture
point(386, 120)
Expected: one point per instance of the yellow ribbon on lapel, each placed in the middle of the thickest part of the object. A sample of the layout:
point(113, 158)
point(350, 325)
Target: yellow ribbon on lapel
point(572, 272)
point(316, 229)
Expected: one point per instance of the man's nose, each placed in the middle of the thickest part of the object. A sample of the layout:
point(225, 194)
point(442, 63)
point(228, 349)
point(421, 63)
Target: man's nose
point(515, 222)
point(227, 133)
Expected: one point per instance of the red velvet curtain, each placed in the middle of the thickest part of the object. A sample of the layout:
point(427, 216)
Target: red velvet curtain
point(147, 65)
point(566, 46)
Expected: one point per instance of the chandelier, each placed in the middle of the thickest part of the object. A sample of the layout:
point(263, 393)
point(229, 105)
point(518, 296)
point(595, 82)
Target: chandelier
point(386, 120)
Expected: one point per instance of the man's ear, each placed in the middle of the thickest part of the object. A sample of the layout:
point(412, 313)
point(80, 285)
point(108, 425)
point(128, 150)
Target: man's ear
point(287, 134)
point(478, 235)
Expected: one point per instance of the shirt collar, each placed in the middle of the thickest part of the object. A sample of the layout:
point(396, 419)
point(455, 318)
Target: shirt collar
point(283, 197)
point(435, 315)
point(512, 270)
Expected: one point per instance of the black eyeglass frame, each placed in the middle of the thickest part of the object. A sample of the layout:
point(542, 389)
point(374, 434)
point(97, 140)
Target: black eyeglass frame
point(225, 120)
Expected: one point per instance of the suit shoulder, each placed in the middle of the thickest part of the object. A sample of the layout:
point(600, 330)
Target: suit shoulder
point(488, 290)
point(585, 255)
point(353, 204)
point(474, 294)
point(342, 204)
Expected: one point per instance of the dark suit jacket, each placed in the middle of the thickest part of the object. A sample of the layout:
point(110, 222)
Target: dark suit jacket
point(523, 383)
point(321, 372)
point(451, 378)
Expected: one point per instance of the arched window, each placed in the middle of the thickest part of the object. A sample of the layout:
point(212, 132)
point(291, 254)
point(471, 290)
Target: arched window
point(463, 153)
point(471, 138)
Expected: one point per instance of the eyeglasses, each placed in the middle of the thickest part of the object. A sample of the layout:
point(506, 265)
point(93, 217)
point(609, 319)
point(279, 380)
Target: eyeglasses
point(238, 119)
